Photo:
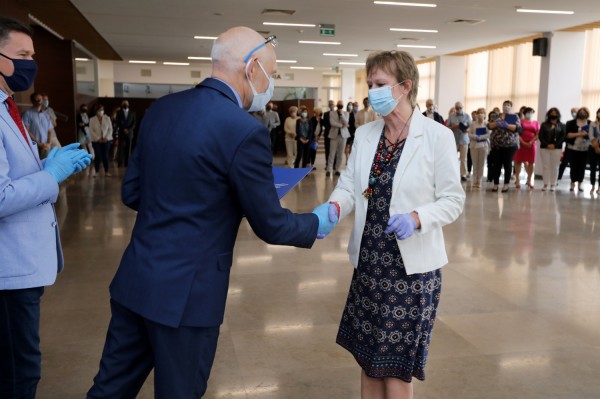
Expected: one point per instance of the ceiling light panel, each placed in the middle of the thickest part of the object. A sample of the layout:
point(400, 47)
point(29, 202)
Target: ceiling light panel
point(414, 30)
point(397, 3)
point(545, 11)
point(301, 67)
point(141, 62)
point(289, 24)
point(286, 61)
point(339, 55)
point(200, 58)
point(313, 42)
point(413, 46)
point(205, 37)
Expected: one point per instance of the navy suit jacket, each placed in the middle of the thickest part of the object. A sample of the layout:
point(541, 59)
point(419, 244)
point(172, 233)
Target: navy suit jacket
point(201, 163)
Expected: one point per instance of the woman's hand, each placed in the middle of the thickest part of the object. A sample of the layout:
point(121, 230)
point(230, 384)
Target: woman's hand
point(402, 225)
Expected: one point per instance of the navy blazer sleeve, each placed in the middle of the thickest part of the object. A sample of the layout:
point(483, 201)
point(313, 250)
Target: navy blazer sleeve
point(251, 176)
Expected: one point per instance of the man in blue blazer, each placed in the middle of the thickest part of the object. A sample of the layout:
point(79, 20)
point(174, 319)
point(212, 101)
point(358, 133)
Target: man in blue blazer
point(30, 252)
point(201, 164)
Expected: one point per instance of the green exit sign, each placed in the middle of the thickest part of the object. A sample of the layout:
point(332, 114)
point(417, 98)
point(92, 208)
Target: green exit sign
point(327, 32)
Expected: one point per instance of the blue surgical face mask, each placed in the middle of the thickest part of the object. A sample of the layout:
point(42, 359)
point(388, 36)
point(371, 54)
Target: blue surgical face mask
point(355, 109)
point(23, 76)
point(260, 100)
point(382, 99)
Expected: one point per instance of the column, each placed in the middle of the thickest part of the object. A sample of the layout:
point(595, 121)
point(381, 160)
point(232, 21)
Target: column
point(449, 82)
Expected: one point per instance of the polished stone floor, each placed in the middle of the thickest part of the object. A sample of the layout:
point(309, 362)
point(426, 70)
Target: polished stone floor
point(519, 315)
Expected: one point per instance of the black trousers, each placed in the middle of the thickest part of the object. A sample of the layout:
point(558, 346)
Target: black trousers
point(578, 162)
point(20, 356)
point(503, 158)
point(124, 148)
point(181, 357)
point(273, 140)
point(101, 154)
point(564, 162)
point(327, 146)
point(594, 166)
point(302, 153)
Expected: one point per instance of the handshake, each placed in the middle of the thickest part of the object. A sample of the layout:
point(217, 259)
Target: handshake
point(67, 161)
point(328, 214)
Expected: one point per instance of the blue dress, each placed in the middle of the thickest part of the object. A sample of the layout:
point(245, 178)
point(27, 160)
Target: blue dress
point(389, 315)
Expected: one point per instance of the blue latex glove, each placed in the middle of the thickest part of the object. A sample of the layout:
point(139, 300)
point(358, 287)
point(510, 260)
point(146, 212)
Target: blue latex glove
point(328, 218)
point(64, 162)
point(501, 123)
point(403, 225)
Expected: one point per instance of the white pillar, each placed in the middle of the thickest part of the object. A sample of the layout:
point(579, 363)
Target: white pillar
point(106, 78)
point(348, 85)
point(561, 75)
point(449, 82)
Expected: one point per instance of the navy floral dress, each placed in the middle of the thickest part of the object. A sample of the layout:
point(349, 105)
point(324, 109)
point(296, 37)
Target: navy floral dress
point(389, 315)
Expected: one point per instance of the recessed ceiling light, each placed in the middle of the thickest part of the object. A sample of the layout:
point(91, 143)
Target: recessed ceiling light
point(299, 67)
point(287, 61)
point(414, 30)
point(396, 3)
point(176, 63)
point(141, 62)
point(82, 59)
point(353, 63)
point(311, 42)
point(340, 55)
point(413, 46)
point(286, 24)
point(545, 11)
point(200, 58)
point(205, 37)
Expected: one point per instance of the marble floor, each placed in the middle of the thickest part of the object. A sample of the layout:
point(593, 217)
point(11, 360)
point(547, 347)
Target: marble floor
point(519, 315)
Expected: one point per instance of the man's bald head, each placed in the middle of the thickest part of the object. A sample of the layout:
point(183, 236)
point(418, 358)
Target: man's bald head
point(233, 45)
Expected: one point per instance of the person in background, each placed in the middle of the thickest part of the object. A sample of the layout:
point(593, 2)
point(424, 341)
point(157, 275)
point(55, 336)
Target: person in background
point(351, 129)
point(397, 244)
point(552, 136)
point(505, 141)
point(338, 134)
point(191, 192)
point(492, 116)
point(566, 158)
point(30, 248)
point(52, 114)
point(38, 124)
point(289, 126)
point(126, 122)
point(527, 147)
point(578, 143)
point(479, 142)
point(304, 136)
point(595, 152)
point(83, 132)
point(366, 114)
point(326, 128)
point(316, 126)
point(273, 125)
point(431, 113)
point(459, 124)
point(101, 133)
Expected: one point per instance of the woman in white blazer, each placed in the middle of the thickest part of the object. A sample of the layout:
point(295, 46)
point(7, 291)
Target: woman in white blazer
point(101, 135)
point(403, 183)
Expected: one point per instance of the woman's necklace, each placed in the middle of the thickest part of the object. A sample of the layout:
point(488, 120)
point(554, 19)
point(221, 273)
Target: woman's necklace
point(384, 156)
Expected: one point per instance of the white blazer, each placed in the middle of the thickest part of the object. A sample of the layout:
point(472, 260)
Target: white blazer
point(427, 180)
point(102, 130)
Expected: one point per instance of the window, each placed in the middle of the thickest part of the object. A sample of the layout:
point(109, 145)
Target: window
point(590, 94)
point(426, 83)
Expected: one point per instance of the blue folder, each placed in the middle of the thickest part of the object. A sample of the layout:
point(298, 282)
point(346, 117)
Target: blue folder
point(480, 131)
point(511, 119)
point(287, 178)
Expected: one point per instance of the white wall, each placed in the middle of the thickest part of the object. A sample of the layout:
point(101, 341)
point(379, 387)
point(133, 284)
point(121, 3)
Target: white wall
point(450, 82)
point(561, 77)
point(106, 87)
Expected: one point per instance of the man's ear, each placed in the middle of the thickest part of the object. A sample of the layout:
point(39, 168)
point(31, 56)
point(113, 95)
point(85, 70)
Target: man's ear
point(6, 66)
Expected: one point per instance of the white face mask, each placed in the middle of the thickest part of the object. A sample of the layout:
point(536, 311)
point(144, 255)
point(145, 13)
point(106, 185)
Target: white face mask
point(506, 109)
point(304, 115)
point(100, 113)
point(480, 117)
point(382, 99)
point(260, 100)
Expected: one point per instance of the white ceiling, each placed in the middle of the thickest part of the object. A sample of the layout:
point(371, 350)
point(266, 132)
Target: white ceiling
point(163, 30)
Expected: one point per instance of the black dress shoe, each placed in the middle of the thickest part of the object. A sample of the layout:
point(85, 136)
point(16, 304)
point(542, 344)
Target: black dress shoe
point(328, 174)
point(338, 173)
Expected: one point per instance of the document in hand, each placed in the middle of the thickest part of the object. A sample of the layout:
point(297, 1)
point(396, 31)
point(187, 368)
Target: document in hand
point(480, 131)
point(287, 178)
point(511, 119)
